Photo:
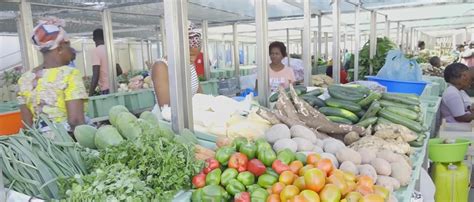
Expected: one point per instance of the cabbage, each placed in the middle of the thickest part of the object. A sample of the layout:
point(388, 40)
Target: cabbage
point(107, 136)
point(114, 113)
point(127, 125)
point(149, 116)
point(85, 135)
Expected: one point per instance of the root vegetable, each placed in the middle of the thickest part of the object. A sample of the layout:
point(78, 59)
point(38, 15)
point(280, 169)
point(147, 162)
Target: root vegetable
point(332, 145)
point(319, 143)
point(382, 167)
point(393, 131)
point(367, 170)
point(367, 155)
point(401, 171)
point(351, 137)
point(268, 115)
point(389, 156)
point(303, 132)
point(388, 182)
point(349, 166)
point(285, 144)
point(284, 104)
point(277, 132)
point(303, 144)
point(348, 154)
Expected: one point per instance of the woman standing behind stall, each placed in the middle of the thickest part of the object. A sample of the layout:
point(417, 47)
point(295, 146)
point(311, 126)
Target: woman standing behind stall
point(279, 74)
point(455, 103)
point(53, 89)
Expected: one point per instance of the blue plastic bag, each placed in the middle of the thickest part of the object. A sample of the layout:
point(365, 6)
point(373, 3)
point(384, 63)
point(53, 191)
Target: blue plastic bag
point(398, 67)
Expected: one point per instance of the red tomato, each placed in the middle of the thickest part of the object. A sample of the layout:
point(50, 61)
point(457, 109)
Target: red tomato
point(199, 180)
point(211, 164)
point(238, 161)
point(277, 187)
point(256, 167)
point(312, 158)
point(279, 166)
point(242, 197)
point(287, 177)
point(295, 166)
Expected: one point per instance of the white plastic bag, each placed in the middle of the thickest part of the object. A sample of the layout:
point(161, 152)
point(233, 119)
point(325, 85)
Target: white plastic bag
point(398, 67)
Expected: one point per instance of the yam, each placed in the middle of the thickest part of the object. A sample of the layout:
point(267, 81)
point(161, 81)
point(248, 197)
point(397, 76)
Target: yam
point(351, 137)
point(367, 155)
point(348, 154)
point(317, 149)
point(268, 115)
point(388, 155)
point(382, 167)
point(367, 170)
point(319, 143)
point(332, 145)
point(332, 158)
point(401, 171)
point(388, 182)
point(303, 144)
point(349, 166)
point(286, 143)
point(303, 132)
point(277, 132)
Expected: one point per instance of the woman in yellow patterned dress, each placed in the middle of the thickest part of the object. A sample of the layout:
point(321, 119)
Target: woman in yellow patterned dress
point(52, 90)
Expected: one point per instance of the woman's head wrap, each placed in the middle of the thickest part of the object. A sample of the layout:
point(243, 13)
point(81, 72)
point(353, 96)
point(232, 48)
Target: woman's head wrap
point(48, 34)
point(194, 36)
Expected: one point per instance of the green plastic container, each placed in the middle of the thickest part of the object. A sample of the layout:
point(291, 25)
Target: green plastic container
point(99, 106)
point(210, 87)
point(139, 100)
point(441, 152)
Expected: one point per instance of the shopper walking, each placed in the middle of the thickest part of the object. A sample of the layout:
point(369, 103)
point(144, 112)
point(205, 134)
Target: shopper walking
point(100, 65)
point(279, 74)
point(455, 103)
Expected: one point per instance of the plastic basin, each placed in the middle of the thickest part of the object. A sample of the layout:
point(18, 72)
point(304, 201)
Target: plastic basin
point(438, 151)
point(11, 123)
point(398, 86)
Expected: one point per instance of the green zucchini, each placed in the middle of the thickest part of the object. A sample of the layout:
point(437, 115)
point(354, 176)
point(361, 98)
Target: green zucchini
point(382, 120)
point(418, 142)
point(343, 104)
point(340, 92)
point(367, 122)
point(311, 100)
point(395, 118)
point(400, 99)
point(403, 112)
point(372, 111)
point(331, 111)
point(337, 119)
point(274, 97)
point(386, 103)
point(407, 95)
point(316, 92)
point(361, 113)
point(369, 99)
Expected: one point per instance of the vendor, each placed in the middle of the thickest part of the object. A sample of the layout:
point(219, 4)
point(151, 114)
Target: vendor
point(279, 74)
point(342, 73)
point(435, 61)
point(53, 89)
point(159, 70)
point(455, 103)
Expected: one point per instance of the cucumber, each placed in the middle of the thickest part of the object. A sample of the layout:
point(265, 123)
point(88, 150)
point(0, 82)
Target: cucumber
point(400, 99)
point(386, 103)
point(311, 100)
point(343, 104)
point(395, 118)
point(316, 92)
point(372, 111)
point(274, 97)
point(403, 112)
point(319, 103)
point(407, 95)
point(357, 88)
point(361, 113)
point(331, 111)
point(369, 99)
point(382, 120)
point(339, 92)
point(418, 142)
point(367, 122)
point(337, 119)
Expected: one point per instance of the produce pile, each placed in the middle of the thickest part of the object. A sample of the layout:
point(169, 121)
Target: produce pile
point(321, 80)
point(430, 70)
point(134, 80)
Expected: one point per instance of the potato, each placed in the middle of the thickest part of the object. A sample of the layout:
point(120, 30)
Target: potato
point(317, 149)
point(367, 155)
point(303, 132)
point(351, 137)
point(303, 144)
point(367, 170)
point(388, 182)
point(401, 171)
point(332, 145)
point(285, 144)
point(319, 143)
point(382, 167)
point(332, 158)
point(348, 154)
point(277, 132)
point(388, 155)
point(349, 166)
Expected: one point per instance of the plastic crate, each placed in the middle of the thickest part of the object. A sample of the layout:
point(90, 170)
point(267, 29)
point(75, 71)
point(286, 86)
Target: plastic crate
point(139, 100)
point(11, 123)
point(210, 87)
point(99, 106)
point(8, 106)
point(399, 86)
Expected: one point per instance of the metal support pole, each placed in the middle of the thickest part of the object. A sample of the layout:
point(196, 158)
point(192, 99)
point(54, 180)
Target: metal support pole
point(320, 33)
point(205, 50)
point(25, 27)
point(163, 37)
point(412, 44)
point(402, 38)
point(235, 57)
point(130, 55)
point(336, 54)
point(307, 42)
point(109, 44)
point(356, 42)
point(373, 38)
point(288, 45)
point(326, 45)
point(398, 34)
point(176, 22)
point(315, 48)
point(261, 20)
point(143, 54)
point(84, 58)
point(150, 50)
point(387, 27)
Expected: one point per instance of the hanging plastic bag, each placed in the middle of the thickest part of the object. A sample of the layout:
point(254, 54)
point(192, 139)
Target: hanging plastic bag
point(398, 67)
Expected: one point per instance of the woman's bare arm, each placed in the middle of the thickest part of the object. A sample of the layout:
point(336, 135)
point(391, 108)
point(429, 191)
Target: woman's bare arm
point(159, 75)
point(26, 116)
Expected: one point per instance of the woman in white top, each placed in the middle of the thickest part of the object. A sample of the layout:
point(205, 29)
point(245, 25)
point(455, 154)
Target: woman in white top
point(455, 103)
point(159, 71)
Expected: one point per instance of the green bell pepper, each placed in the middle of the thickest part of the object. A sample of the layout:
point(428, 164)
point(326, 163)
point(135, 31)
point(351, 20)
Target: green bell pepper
point(228, 175)
point(249, 149)
point(238, 142)
point(253, 187)
point(214, 177)
point(267, 180)
point(197, 195)
point(223, 154)
point(263, 146)
point(234, 187)
point(301, 157)
point(259, 195)
point(214, 193)
point(247, 178)
point(270, 171)
point(267, 156)
point(286, 156)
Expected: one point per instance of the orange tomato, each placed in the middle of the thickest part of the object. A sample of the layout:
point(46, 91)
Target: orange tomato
point(314, 179)
point(351, 185)
point(349, 176)
point(269, 190)
point(325, 165)
point(277, 187)
point(304, 169)
point(299, 182)
point(364, 190)
point(287, 177)
point(340, 182)
point(273, 198)
point(289, 192)
point(365, 180)
point(330, 193)
point(295, 166)
point(353, 197)
point(337, 172)
point(372, 198)
point(381, 191)
point(312, 158)
point(298, 198)
point(310, 196)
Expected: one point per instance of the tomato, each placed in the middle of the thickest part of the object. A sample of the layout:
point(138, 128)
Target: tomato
point(312, 158)
point(364, 190)
point(269, 190)
point(314, 179)
point(298, 198)
point(277, 187)
point(353, 196)
point(273, 198)
point(372, 198)
point(295, 166)
point(287, 177)
point(365, 181)
point(351, 185)
point(310, 196)
point(289, 192)
point(325, 165)
point(382, 191)
point(340, 182)
point(349, 176)
point(304, 169)
point(330, 193)
point(299, 182)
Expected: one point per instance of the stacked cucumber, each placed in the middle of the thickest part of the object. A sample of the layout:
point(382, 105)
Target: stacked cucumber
point(309, 96)
point(355, 104)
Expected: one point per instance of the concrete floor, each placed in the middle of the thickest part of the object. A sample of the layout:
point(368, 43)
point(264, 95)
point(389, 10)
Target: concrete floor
point(471, 195)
